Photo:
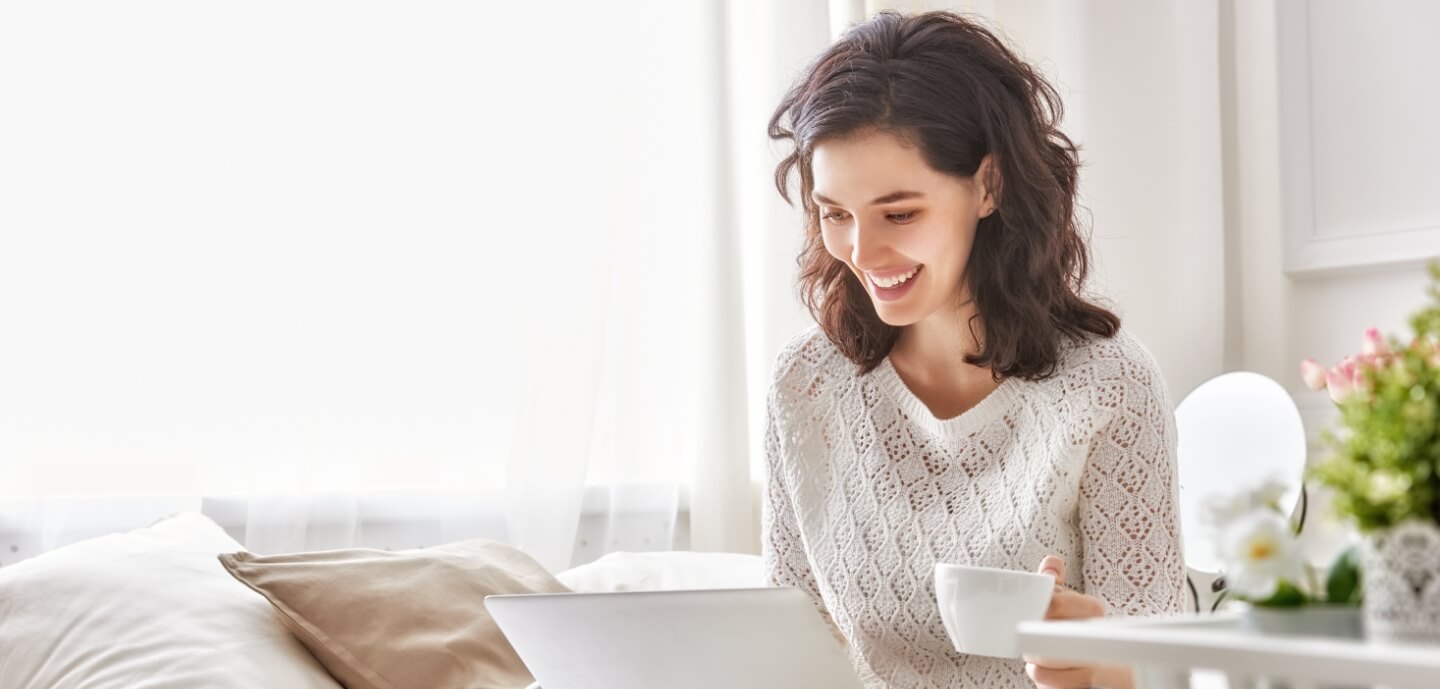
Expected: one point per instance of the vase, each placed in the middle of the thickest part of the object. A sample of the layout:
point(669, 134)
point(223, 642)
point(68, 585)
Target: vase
point(1401, 570)
point(1311, 621)
point(1330, 621)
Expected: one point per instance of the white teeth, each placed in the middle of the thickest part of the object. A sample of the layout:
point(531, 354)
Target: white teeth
point(889, 283)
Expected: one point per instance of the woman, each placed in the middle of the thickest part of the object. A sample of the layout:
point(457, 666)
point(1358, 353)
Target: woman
point(961, 400)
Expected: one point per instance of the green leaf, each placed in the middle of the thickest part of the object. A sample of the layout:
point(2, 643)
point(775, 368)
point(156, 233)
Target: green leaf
point(1343, 585)
point(1286, 596)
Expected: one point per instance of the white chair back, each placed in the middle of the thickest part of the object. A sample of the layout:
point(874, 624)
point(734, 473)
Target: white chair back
point(1236, 431)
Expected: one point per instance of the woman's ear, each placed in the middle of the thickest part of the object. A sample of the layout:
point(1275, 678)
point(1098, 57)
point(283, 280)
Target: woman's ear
point(988, 177)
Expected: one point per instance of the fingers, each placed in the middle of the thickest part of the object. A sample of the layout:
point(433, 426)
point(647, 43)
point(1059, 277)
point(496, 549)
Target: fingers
point(1051, 663)
point(1066, 604)
point(1057, 678)
point(1054, 565)
point(1069, 605)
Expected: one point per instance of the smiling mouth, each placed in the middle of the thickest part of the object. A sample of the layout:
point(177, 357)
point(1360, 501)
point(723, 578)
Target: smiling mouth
point(893, 280)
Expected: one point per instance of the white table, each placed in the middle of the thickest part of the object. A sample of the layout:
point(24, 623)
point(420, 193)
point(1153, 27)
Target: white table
point(1165, 651)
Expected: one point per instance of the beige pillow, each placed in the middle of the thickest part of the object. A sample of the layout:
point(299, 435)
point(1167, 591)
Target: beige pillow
point(400, 620)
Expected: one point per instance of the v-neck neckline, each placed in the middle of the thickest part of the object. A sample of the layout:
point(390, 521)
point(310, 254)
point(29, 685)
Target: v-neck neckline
point(997, 402)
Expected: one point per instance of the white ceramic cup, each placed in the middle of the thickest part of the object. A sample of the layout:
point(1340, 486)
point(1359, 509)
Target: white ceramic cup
point(982, 606)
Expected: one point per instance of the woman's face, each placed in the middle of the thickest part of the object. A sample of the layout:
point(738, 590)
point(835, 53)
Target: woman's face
point(904, 229)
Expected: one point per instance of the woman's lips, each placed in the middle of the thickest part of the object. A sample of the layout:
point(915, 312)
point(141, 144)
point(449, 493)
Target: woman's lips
point(895, 290)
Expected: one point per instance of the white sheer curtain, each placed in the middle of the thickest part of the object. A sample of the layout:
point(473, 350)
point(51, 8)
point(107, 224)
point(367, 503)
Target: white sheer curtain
point(390, 273)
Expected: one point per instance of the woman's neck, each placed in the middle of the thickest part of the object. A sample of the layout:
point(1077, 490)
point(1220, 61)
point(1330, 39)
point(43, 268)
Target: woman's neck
point(930, 356)
point(939, 343)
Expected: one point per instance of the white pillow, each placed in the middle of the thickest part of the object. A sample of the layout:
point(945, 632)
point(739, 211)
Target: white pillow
point(148, 609)
point(665, 571)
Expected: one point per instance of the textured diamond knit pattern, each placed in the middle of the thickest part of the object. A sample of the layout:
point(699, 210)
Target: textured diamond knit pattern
point(867, 490)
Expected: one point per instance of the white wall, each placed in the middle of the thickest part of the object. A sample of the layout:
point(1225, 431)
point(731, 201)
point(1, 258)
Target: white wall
point(1150, 136)
point(1283, 318)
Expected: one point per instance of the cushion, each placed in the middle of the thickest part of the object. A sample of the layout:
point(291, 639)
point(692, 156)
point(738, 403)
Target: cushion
point(666, 571)
point(148, 609)
point(411, 619)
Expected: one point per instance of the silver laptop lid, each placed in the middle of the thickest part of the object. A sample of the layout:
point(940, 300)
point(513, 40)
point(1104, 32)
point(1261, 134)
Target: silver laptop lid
point(770, 638)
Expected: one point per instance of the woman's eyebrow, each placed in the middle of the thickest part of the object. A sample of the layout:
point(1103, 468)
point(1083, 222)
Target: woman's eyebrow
point(888, 198)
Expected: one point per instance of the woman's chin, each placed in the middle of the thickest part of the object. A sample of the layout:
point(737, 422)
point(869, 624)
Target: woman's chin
point(894, 316)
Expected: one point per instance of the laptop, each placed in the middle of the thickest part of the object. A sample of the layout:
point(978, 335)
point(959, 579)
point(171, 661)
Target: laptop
point(767, 638)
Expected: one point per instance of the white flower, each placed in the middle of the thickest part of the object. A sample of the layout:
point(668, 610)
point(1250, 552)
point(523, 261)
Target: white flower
point(1221, 510)
point(1259, 549)
point(1269, 494)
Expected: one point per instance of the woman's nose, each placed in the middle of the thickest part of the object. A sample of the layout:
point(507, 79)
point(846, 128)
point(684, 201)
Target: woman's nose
point(865, 247)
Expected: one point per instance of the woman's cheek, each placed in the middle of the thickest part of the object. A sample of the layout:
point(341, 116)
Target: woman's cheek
point(835, 246)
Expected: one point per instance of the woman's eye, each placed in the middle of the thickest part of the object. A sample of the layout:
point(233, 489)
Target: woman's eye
point(841, 216)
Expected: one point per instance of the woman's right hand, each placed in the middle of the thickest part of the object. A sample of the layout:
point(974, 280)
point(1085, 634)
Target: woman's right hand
point(1065, 604)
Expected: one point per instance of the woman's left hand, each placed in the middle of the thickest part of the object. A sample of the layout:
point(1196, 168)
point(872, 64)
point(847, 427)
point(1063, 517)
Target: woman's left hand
point(1064, 605)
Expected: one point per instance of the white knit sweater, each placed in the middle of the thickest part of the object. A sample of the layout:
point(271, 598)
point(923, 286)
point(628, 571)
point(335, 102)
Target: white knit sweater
point(867, 490)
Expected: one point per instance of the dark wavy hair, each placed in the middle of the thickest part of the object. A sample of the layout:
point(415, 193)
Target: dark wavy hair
point(943, 82)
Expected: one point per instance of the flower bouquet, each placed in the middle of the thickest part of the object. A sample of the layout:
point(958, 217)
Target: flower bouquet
point(1385, 470)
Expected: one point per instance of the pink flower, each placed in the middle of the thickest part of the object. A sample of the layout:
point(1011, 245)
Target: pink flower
point(1347, 367)
point(1374, 343)
point(1353, 373)
point(1313, 373)
point(1340, 383)
point(1358, 381)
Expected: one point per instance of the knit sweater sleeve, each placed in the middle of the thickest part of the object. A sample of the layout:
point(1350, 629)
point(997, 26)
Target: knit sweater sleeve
point(782, 548)
point(1129, 519)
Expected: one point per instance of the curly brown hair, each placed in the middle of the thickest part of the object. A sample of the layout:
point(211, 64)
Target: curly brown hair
point(945, 83)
